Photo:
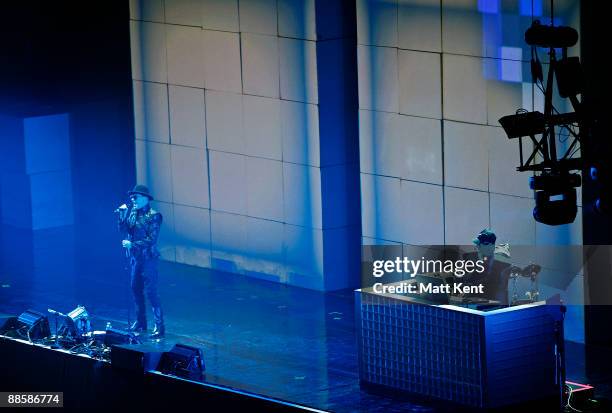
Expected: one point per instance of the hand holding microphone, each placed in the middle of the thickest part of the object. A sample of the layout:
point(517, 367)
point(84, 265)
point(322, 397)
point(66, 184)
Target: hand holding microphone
point(122, 211)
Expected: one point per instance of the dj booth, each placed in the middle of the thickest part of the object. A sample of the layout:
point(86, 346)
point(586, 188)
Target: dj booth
point(478, 357)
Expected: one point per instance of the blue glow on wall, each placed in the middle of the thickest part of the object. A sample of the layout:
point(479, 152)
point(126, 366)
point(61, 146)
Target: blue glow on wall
point(529, 7)
point(558, 21)
point(488, 6)
point(538, 8)
point(37, 187)
point(525, 7)
point(511, 66)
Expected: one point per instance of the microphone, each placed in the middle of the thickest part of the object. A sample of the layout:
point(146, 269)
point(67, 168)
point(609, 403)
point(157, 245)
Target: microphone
point(121, 208)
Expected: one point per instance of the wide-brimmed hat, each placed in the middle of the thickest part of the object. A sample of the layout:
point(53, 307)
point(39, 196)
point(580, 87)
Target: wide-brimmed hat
point(141, 190)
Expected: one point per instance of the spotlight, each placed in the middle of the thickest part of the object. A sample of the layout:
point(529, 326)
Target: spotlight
point(80, 321)
point(554, 184)
point(75, 324)
point(557, 37)
point(35, 324)
point(549, 209)
point(555, 211)
point(523, 124)
point(31, 324)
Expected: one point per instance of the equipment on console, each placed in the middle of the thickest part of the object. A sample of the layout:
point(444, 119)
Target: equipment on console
point(533, 293)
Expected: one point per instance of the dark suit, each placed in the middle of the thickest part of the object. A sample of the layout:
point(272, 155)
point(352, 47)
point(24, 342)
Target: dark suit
point(494, 278)
point(141, 227)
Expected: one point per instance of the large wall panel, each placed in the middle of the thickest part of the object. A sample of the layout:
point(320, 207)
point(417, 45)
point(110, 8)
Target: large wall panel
point(228, 97)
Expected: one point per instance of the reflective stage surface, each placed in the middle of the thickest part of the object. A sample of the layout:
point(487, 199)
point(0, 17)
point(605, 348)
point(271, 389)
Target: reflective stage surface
point(284, 342)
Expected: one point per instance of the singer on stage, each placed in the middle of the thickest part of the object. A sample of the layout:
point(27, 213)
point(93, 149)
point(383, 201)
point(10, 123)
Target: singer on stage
point(140, 225)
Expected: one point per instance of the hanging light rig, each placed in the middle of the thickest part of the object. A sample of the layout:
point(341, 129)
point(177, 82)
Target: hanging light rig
point(554, 181)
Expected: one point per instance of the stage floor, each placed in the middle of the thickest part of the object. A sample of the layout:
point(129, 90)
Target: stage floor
point(284, 342)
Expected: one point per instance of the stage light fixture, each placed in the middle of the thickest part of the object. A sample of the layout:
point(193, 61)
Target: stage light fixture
point(555, 198)
point(523, 124)
point(554, 183)
point(556, 37)
point(34, 324)
point(75, 325)
point(555, 211)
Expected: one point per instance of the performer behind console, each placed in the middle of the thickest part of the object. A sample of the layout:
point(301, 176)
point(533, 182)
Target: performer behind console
point(496, 274)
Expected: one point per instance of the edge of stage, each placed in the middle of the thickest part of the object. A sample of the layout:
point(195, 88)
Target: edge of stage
point(87, 382)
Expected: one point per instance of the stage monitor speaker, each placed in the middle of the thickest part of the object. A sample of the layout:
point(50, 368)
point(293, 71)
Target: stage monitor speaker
point(183, 361)
point(114, 336)
point(36, 324)
point(138, 357)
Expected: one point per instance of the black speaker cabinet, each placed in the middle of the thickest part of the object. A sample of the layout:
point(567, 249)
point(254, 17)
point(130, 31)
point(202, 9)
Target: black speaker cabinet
point(183, 361)
point(135, 357)
point(114, 336)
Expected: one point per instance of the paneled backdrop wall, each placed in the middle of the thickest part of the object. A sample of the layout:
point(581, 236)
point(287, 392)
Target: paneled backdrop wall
point(246, 132)
point(436, 167)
